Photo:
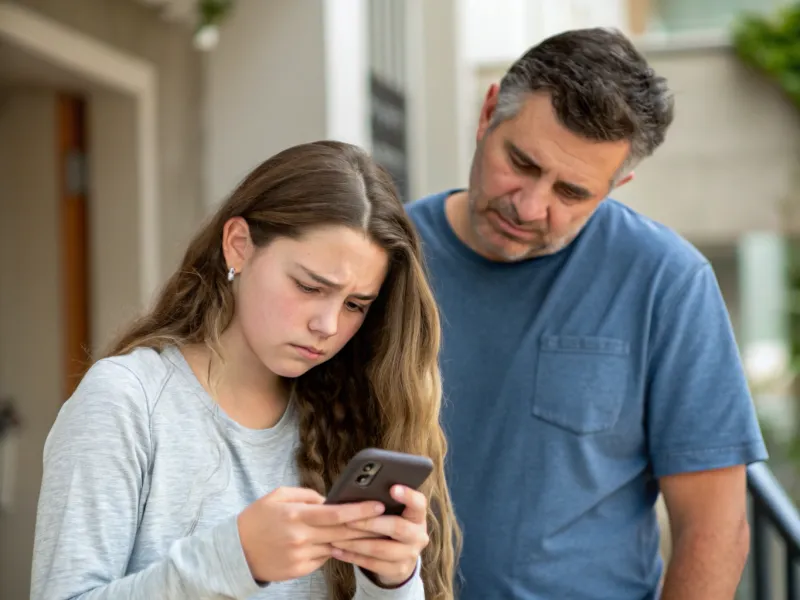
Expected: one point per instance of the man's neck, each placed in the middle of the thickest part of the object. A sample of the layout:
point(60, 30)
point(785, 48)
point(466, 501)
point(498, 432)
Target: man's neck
point(456, 210)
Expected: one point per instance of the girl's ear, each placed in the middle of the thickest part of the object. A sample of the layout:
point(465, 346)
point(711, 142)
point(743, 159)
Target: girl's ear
point(236, 243)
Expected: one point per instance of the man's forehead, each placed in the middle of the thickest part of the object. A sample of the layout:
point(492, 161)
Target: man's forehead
point(554, 147)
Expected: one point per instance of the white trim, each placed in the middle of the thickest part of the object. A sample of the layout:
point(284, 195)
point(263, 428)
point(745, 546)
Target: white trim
point(107, 66)
point(180, 11)
point(346, 72)
point(648, 43)
point(683, 41)
point(149, 214)
point(416, 113)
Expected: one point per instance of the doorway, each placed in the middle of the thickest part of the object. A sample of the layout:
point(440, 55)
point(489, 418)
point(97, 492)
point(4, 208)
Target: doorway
point(77, 192)
point(74, 215)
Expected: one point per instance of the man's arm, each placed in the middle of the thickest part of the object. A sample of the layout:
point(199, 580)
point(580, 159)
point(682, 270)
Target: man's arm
point(710, 533)
point(702, 430)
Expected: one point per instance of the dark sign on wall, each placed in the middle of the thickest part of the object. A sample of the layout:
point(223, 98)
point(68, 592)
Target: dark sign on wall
point(388, 116)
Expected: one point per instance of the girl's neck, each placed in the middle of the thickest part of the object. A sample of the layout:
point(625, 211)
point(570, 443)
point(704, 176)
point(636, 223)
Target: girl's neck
point(244, 388)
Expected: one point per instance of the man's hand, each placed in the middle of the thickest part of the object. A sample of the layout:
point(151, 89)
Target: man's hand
point(710, 533)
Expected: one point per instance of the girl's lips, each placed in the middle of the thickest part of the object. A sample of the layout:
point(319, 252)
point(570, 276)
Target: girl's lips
point(308, 351)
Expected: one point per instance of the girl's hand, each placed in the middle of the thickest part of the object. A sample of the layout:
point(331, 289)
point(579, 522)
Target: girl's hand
point(393, 560)
point(288, 533)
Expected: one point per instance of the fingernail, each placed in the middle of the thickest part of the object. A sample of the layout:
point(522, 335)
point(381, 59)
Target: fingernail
point(399, 491)
point(337, 553)
point(379, 508)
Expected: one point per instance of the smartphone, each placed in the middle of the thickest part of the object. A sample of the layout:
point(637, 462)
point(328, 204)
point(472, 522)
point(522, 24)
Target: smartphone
point(372, 472)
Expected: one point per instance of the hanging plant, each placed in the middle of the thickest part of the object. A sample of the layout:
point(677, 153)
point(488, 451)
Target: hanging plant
point(771, 44)
point(210, 15)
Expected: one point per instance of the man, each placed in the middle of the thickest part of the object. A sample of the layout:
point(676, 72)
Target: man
point(588, 358)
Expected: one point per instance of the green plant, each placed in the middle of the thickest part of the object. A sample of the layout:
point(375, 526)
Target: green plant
point(771, 44)
point(210, 14)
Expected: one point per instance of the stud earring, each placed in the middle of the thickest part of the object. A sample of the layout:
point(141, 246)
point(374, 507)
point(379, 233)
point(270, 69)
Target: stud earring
point(231, 274)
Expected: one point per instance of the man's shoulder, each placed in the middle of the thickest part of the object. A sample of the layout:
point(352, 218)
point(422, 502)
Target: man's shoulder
point(427, 202)
point(424, 212)
point(647, 243)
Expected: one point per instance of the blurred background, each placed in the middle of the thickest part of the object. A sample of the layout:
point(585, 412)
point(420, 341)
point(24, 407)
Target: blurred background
point(124, 123)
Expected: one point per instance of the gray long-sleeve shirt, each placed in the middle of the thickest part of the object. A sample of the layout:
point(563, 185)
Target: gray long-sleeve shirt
point(143, 478)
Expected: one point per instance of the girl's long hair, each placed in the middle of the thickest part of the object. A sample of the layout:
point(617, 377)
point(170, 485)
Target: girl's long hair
point(383, 389)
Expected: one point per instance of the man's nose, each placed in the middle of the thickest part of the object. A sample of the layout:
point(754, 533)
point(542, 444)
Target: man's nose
point(533, 201)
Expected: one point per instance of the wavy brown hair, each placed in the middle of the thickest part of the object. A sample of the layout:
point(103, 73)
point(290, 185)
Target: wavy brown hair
point(383, 389)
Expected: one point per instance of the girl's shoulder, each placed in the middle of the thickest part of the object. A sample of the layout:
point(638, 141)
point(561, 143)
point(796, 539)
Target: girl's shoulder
point(135, 377)
point(116, 396)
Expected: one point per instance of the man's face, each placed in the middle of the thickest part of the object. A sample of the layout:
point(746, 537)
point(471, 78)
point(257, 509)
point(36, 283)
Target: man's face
point(534, 183)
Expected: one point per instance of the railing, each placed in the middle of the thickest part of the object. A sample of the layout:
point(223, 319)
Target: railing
point(772, 509)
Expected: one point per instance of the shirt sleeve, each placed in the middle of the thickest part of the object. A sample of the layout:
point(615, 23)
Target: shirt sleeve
point(700, 414)
point(95, 463)
point(366, 589)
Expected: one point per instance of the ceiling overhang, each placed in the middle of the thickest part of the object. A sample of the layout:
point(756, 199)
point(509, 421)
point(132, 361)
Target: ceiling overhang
point(175, 11)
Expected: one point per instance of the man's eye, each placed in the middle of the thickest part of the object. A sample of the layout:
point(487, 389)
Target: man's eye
point(525, 166)
point(571, 196)
point(306, 289)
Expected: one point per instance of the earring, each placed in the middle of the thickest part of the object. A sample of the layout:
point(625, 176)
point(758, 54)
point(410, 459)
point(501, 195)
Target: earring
point(231, 274)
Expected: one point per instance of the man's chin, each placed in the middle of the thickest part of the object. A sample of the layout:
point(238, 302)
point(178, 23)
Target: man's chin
point(520, 255)
point(497, 246)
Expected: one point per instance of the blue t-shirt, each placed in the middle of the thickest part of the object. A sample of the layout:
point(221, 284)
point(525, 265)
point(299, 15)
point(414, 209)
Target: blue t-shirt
point(572, 382)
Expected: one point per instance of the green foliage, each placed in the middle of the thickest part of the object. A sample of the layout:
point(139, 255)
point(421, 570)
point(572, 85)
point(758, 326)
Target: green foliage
point(793, 301)
point(771, 44)
point(212, 12)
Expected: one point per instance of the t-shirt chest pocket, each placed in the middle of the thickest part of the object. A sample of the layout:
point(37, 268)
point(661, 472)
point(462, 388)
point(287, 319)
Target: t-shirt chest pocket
point(581, 382)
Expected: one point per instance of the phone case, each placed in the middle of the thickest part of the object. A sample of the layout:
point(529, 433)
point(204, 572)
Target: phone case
point(371, 473)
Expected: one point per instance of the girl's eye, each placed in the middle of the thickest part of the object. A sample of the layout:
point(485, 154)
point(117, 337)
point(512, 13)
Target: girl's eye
point(353, 307)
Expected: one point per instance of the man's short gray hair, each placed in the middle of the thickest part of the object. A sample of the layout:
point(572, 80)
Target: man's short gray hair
point(601, 87)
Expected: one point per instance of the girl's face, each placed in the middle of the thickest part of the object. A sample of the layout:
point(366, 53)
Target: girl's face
point(298, 302)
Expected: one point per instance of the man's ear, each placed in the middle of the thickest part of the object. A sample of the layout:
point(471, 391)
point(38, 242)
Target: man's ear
point(487, 111)
point(624, 180)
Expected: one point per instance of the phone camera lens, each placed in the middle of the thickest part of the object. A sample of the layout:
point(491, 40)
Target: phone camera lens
point(368, 468)
point(362, 479)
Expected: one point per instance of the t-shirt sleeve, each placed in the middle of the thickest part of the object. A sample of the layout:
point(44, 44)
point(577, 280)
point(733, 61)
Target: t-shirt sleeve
point(96, 460)
point(700, 414)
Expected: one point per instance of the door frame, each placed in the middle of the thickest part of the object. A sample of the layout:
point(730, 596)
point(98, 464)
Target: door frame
point(107, 67)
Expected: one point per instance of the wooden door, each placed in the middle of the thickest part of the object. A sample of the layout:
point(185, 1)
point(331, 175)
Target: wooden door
point(73, 207)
